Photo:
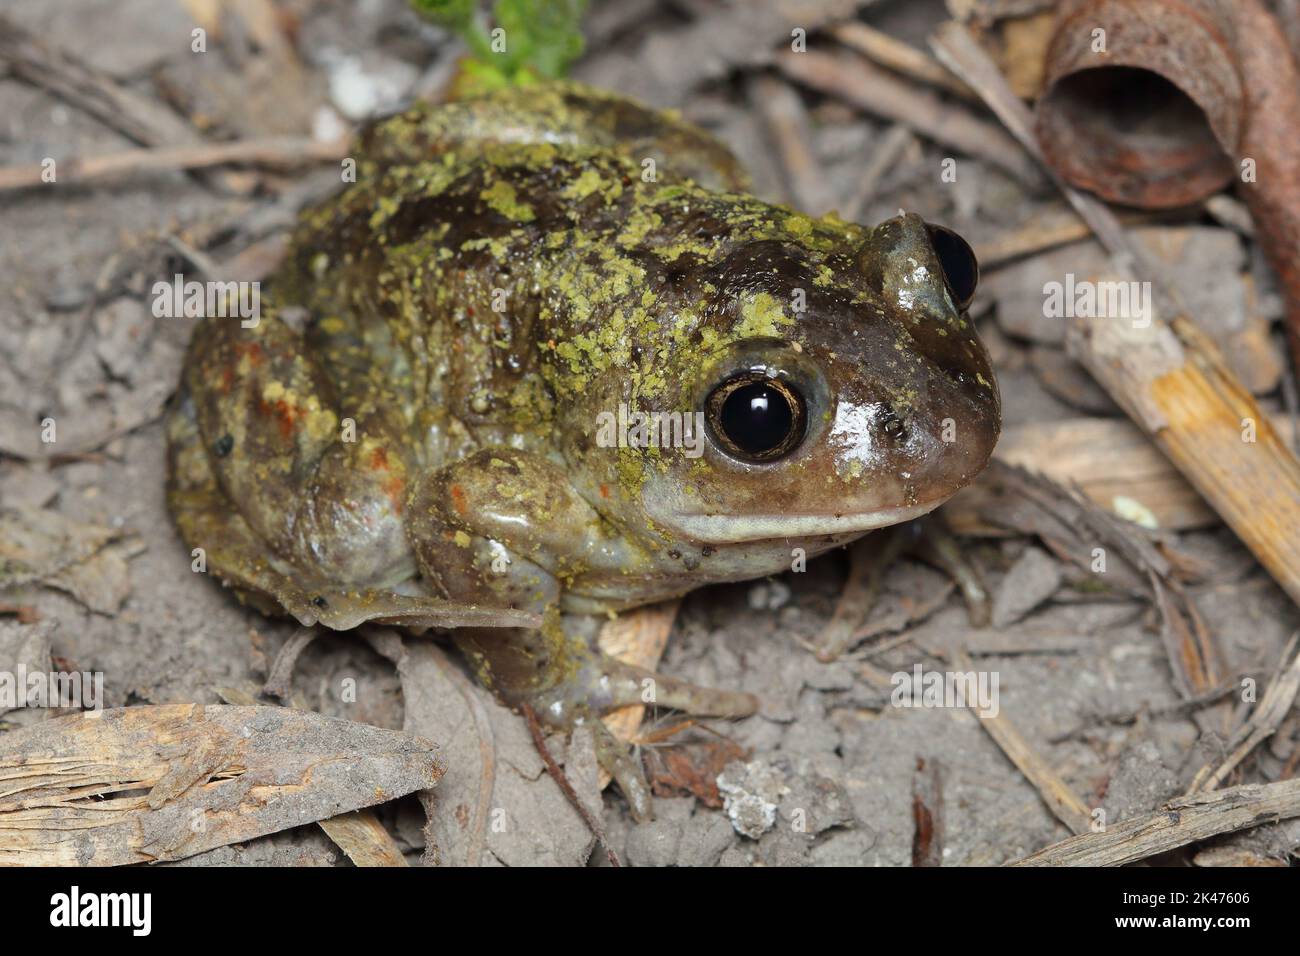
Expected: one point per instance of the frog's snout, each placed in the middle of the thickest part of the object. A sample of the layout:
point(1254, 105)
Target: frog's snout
point(959, 413)
point(935, 411)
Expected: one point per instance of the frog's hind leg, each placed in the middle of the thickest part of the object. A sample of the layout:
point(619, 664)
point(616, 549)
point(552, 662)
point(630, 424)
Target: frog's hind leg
point(220, 536)
point(556, 671)
point(224, 522)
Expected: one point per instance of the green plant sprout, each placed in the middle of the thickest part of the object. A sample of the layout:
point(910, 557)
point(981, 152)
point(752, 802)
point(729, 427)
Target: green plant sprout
point(529, 40)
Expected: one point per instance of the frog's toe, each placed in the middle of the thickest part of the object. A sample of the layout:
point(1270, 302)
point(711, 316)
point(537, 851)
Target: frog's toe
point(343, 609)
point(602, 684)
point(617, 760)
point(661, 690)
point(623, 685)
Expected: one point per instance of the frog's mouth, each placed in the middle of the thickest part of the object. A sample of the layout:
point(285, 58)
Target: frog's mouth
point(731, 529)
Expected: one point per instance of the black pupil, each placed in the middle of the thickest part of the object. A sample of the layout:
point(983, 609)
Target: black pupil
point(958, 262)
point(756, 417)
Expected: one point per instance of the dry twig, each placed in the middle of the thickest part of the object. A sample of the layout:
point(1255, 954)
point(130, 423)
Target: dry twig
point(136, 117)
point(876, 91)
point(562, 781)
point(868, 558)
point(927, 813)
point(788, 125)
point(892, 53)
point(1265, 719)
point(1179, 822)
point(1058, 796)
point(279, 682)
point(363, 838)
point(884, 157)
point(279, 152)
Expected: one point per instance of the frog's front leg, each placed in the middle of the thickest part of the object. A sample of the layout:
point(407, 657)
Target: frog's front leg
point(505, 527)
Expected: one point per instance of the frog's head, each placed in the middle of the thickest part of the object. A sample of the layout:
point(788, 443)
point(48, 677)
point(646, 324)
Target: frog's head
point(839, 395)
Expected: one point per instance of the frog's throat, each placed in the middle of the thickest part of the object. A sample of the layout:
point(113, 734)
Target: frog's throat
point(731, 529)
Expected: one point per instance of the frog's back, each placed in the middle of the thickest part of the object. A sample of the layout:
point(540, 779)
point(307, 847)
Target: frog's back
point(558, 113)
point(425, 282)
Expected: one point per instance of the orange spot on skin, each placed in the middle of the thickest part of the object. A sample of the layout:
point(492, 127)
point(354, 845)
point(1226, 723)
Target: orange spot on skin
point(395, 488)
point(227, 379)
point(287, 415)
point(459, 501)
point(604, 491)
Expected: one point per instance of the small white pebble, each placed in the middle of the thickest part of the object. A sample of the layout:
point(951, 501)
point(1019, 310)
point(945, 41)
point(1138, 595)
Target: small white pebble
point(1130, 509)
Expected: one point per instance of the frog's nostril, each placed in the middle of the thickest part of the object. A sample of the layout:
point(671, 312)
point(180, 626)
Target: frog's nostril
point(891, 423)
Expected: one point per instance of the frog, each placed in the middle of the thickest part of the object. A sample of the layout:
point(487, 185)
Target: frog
point(546, 360)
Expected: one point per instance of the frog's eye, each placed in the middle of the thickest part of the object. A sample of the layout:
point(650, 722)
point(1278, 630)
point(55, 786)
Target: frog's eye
point(755, 417)
point(961, 271)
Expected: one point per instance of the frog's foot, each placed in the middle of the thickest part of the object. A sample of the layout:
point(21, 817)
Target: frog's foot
point(618, 760)
point(556, 672)
point(602, 684)
point(615, 685)
point(928, 539)
point(342, 609)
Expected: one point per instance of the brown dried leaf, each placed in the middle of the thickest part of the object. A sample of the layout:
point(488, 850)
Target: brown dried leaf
point(637, 637)
point(88, 561)
point(24, 648)
point(523, 818)
point(691, 768)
